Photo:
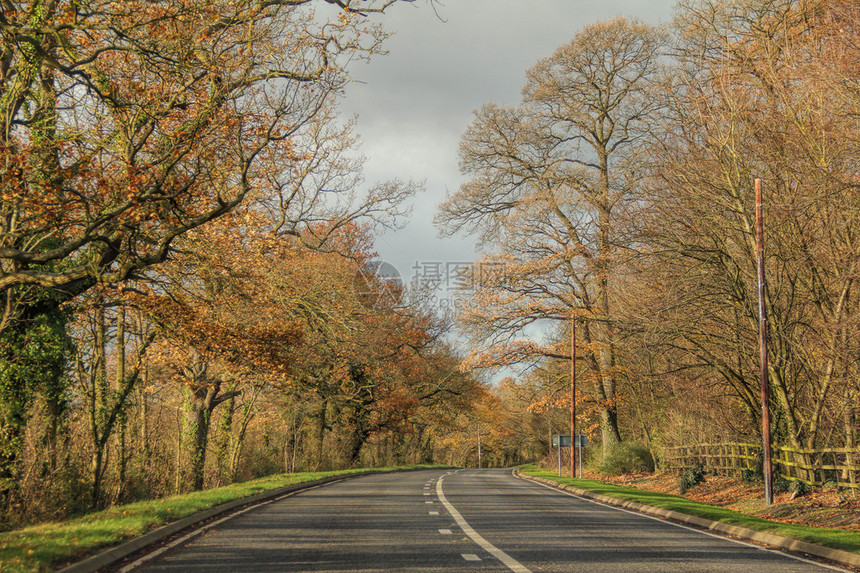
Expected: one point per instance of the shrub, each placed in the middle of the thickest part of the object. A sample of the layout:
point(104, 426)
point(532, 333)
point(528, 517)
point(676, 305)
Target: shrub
point(780, 484)
point(753, 476)
point(692, 477)
point(625, 458)
point(799, 489)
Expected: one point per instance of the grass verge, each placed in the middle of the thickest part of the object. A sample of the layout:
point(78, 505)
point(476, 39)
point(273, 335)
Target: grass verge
point(845, 540)
point(48, 546)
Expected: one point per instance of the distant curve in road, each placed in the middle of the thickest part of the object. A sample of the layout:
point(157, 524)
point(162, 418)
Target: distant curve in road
point(456, 521)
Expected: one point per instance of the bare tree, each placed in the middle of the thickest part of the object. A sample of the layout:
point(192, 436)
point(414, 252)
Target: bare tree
point(553, 186)
point(765, 89)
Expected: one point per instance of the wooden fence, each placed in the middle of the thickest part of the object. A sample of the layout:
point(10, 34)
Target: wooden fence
point(812, 466)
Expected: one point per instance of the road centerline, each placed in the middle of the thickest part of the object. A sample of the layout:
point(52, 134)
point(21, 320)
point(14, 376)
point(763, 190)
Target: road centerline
point(506, 559)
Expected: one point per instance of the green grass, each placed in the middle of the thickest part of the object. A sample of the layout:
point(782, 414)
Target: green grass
point(46, 546)
point(835, 538)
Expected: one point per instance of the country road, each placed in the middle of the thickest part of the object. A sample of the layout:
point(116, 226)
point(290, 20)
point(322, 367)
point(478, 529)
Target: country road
point(456, 521)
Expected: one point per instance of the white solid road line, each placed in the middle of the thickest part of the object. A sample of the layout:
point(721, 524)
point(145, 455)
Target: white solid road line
point(506, 559)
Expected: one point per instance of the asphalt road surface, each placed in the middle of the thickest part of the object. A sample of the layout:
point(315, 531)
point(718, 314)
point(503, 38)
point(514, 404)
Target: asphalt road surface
point(456, 521)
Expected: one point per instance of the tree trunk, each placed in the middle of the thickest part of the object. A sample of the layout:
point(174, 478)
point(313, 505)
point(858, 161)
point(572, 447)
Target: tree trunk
point(850, 474)
point(97, 469)
point(198, 415)
point(239, 441)
point(202, 399)
point(98, 389)
point(119, 382)
point(604, 387)
point(320, 431)
point(354, 444)
point(222, 445)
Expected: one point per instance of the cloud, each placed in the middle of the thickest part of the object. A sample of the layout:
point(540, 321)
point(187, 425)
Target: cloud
point(414, 103)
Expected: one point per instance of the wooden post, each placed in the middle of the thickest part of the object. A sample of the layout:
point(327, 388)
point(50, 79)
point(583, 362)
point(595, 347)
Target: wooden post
point(479, 446)
point(572, 396)
point(767, 468)
point(852, 475)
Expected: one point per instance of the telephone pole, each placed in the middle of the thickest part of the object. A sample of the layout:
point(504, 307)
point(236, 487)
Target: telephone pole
point(573, 396)
point(767, 464)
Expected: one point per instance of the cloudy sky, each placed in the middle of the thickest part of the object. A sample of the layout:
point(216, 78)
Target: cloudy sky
point(414, 103)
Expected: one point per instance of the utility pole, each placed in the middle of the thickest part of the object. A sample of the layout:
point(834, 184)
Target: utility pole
point(767, 464)
point(479, 446)
point(573, 396)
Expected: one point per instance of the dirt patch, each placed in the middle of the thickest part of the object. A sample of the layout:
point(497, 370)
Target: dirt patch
point(818, 508)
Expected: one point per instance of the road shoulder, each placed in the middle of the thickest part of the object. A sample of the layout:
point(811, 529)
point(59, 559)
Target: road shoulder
point(770, 539)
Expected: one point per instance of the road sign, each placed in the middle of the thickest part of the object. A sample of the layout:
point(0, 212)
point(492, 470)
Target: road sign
point(581, 440)
point(563, 441)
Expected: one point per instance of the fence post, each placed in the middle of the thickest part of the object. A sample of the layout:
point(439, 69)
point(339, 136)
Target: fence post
point(820, 458)
point(719, 459)
point(736, 458)
point(852, 476)
point(839, 480)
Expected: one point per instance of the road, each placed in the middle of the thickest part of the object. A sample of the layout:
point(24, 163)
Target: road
point(456, 521)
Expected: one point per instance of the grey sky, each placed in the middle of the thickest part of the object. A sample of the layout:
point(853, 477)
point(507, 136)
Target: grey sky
point(414, 103)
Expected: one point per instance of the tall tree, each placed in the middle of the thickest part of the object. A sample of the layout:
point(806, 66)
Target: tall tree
point(33, 361)
point(232, 309)
point(554, 183)
point(106, 380)
point(765, 89)
point(124, 125)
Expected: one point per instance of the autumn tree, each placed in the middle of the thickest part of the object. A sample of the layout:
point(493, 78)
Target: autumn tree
point(105, 379)
point(124, 125)
point(232, 308)
point(34, 364)
point(374, 370)
point(764, 89)
point(553, 187)
point(413, 386)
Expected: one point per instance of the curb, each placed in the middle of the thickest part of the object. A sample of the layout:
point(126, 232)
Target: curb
point(111, 556)
point(770, 539)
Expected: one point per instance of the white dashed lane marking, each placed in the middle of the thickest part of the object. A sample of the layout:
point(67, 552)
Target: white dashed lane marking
point(506, 559)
